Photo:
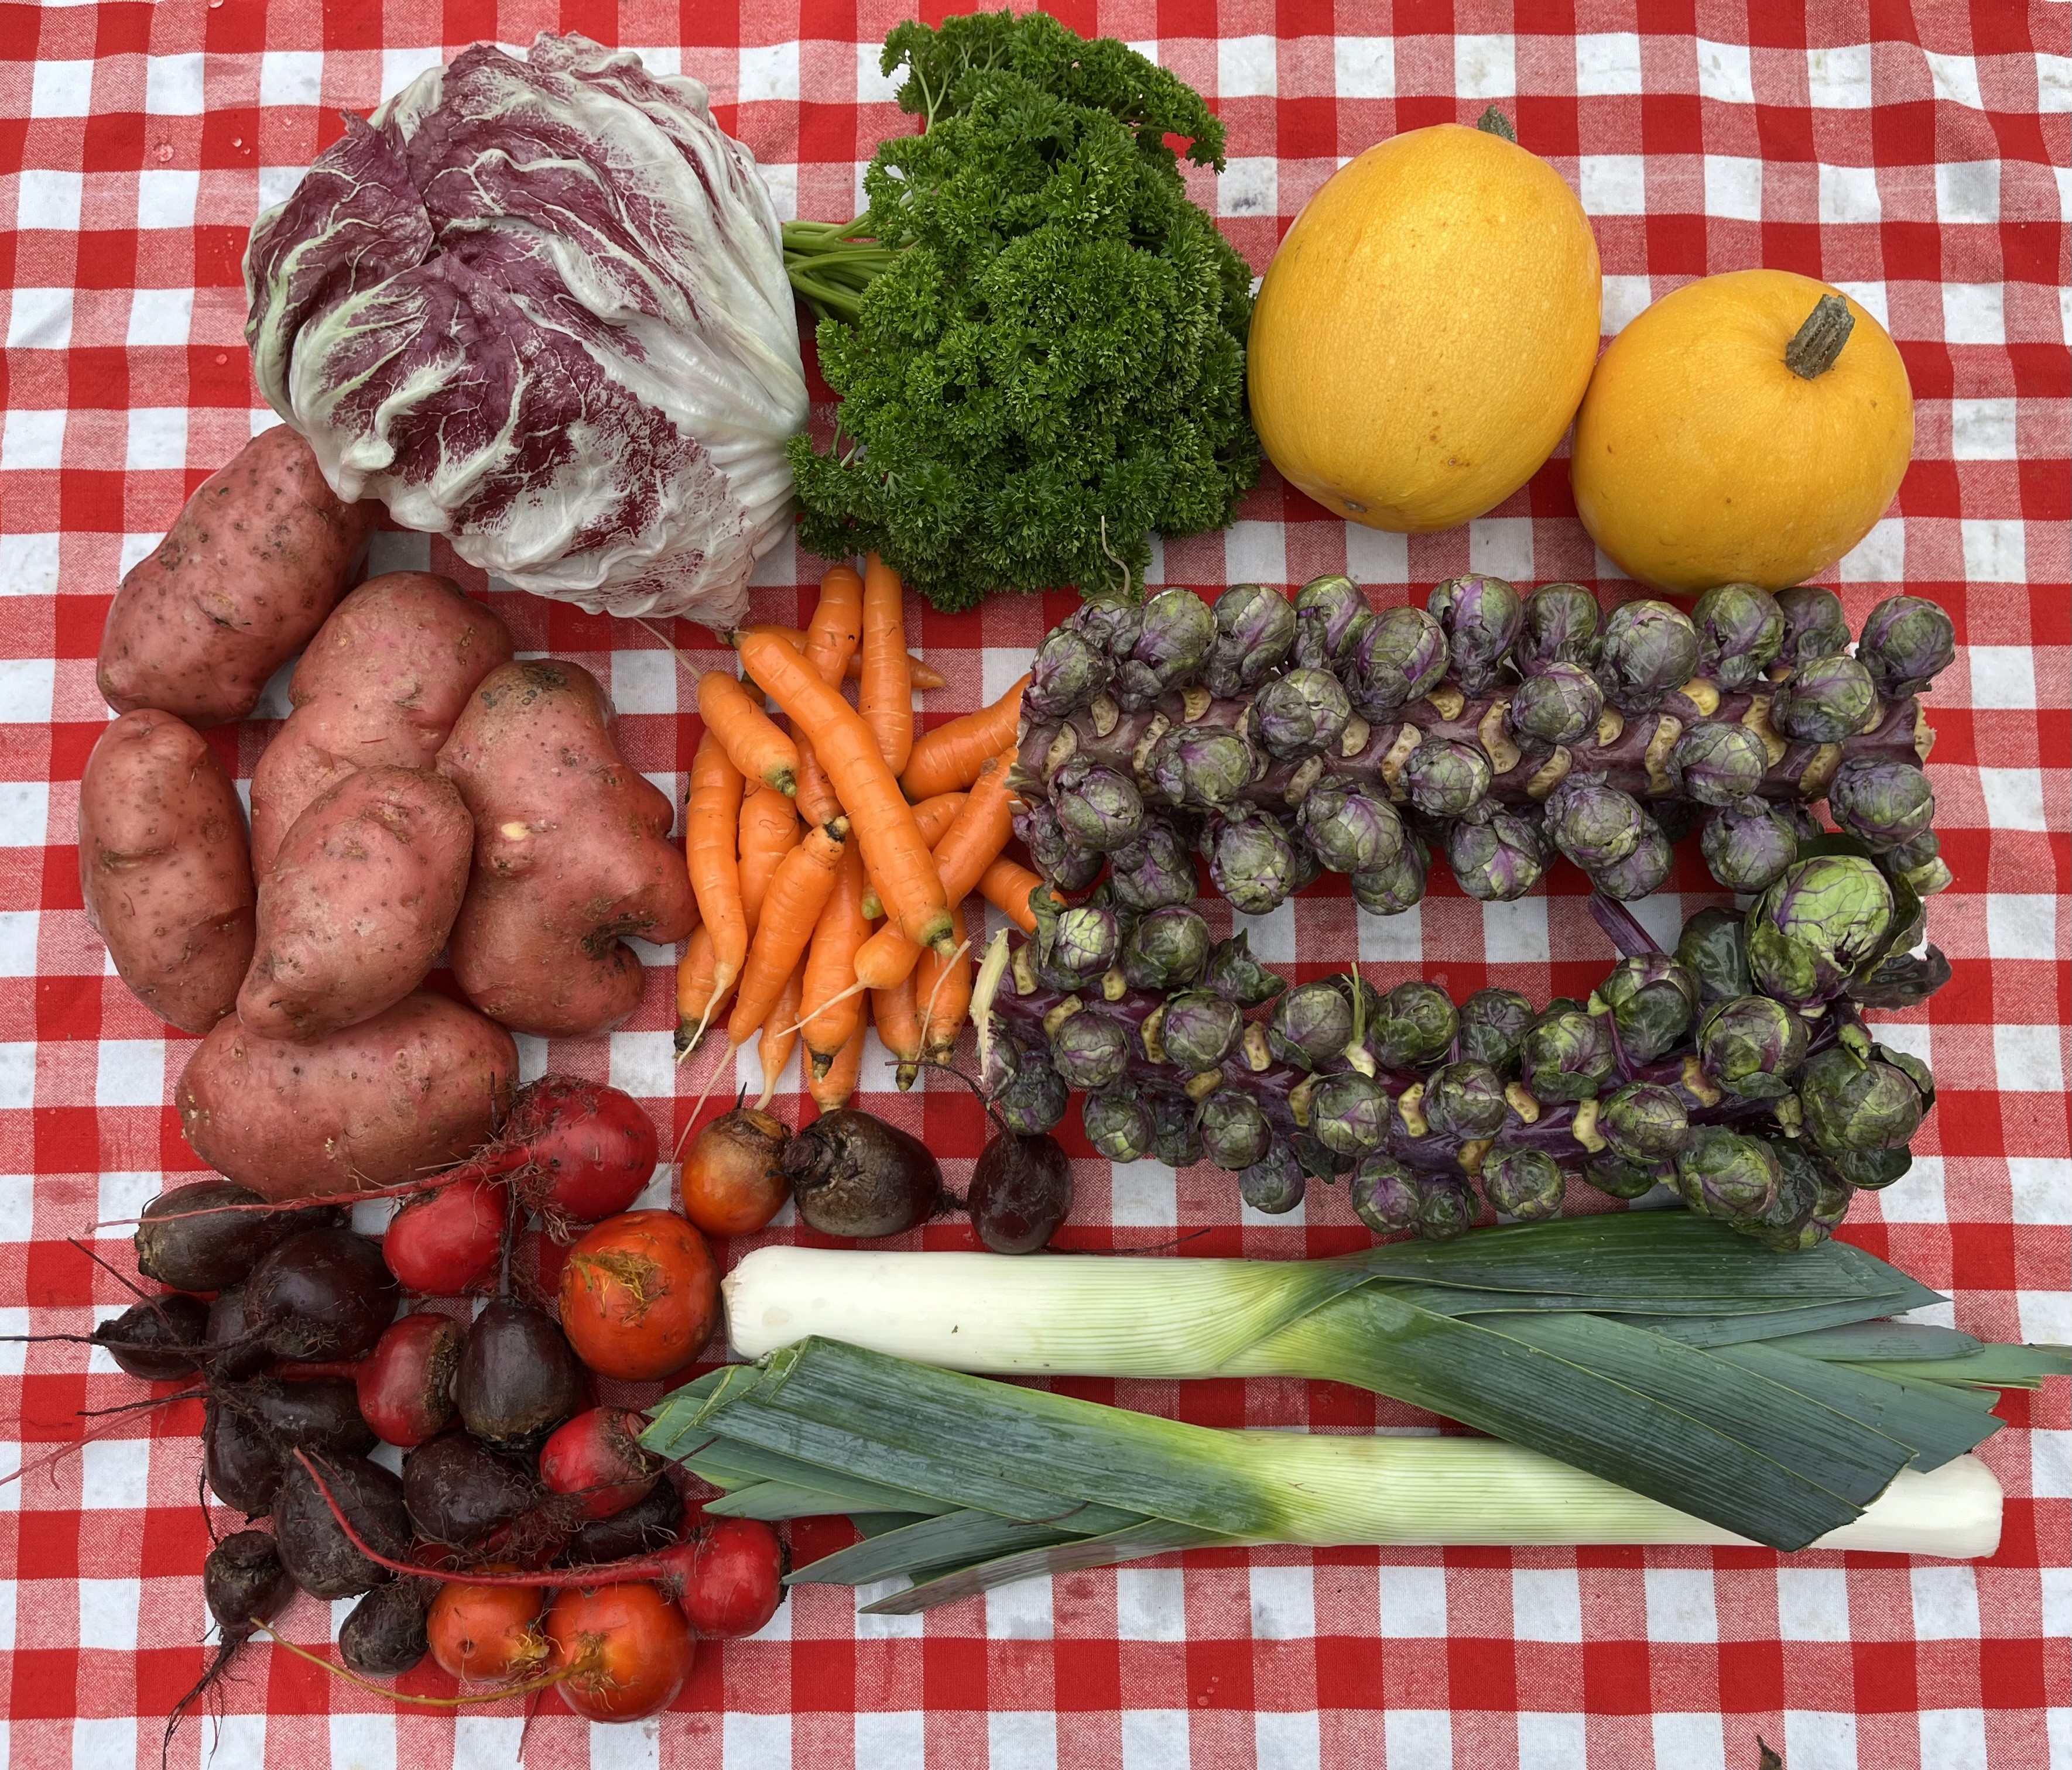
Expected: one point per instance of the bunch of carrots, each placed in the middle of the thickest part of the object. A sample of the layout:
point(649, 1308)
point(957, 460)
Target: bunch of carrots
point(831, 864)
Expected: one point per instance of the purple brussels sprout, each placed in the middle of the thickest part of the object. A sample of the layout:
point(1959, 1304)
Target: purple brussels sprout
point(1751, 1046)
point(1560, 626)
point(1748, 845)
point(1175, 1139)
point(1559, 702)
point(1523, 1182)
point(1233, 972)
point(1348, 1113)
point(1274, 1184)
point(1036, 1098)
point(1253, 862)
point(1063, 862)
point(1885, 805)
point(1090, 1051)
point(1642, 873)
point(1567, 1054)
point(1870, 1168)
point(1616, 1177)
point(1492, 1025)
point(1814, 625)
point(1825, 919)
point(1255, 633)
point(1386, 1196)
point(1389, 890)
point(1069, 672)
point(1198, 1029)
point(1154, 870)
point(1079, 945)
point(1823, 701)
point(1096, 807)
point(1446, 777)
point(1175, 634)
point(1593, 823)
point(1720, 762)
point(1311, 1025)
point(1109, 623)
point(1920, 864)
point(1233, 1129)
point(1793, 1224)
point(1118, 1125)
point(1907, 642)
point(1402, 655)
point(1726, 1175)
point(1166, 950)
point(1481, 616)
point(1348, 828)
point(1448, 1208)
point(1500, 858)
point(1301, 713)
point(1651, 999)
point(1412, 1025)
point(1201, 767)
point(1864, 1101)
point(1650, 650)
point(1331, 615)
point(1644, 1124)
point(1740, 631)
point(1466, 1099)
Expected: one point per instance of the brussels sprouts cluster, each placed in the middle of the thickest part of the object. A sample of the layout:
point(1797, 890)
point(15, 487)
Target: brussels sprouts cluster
point(1282, 739)
point(1736, 1070)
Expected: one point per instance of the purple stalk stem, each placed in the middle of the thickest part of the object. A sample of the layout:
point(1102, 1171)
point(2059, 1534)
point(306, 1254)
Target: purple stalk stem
point(1628, 937)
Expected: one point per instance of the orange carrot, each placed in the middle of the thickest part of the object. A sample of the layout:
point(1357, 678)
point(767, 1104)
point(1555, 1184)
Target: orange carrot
point(946, 1003)
point(769, 832)
point(697, 1000)
point(753, 742)
point(925, 676)
point(1006, 885)
point(951, 755)
point(832, 638)
point(973, 840)
point(833, 1089)
point(899, 861)
point(894, 1013)
point(780, 1034)
point(711, 827)
point(799, 892)
point(886, 697)
point(932, 817)
point(827, 1014)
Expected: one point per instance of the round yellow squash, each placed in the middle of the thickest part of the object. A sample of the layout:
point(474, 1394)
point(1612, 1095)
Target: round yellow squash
point(1423, 334)
point(1703, 457)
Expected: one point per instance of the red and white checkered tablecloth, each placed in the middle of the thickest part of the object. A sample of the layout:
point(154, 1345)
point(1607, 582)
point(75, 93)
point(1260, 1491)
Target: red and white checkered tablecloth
point(1914, 155)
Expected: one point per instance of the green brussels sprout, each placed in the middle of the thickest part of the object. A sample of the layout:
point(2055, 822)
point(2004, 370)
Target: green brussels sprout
point(1751, 1046)
point(1740, 631)
point(1090, 1051)
point(1481, 616)
point(1035, 1101)
point(1311, 1025)
point(1232, 971)
point(1644, 1124)
point(1082, 945)
point(1175, 633)
point(1201, 767)
point(1711, 950)
point(1885, 804)
point(1098, 807)
point(1118, 1126)
point(1861, 1101)
point(1823, 701)
point(1824, 919)
point(1526, 1184)
point(1466, 1099)
point(1870, 1168)
point(1594, 824)
point(1302, 713)
point(1069, 672)
point(1492, 1025)
point(1616, 1177)
point(1200, 1029)
point(1174, 1138)
point(1449, 1208)
point(1166, 950)
point(1747, 846)
point(1399, 886)
point(1446, 777)
point(1720, 762)
point(1558, 703)
point(1252, 862)
point(1154, 871)
point(1498, 859)
point(1560, 626)
point(1348, 1112)
point(1348, 828)
point(1649, 650)
point(1641, 874)
point(1413, 1025)
point(1726, 1175)
point(1234, 1130)
point(1274, 1184)
point(1651, 999)
point(1401, 655)
point(1906, 642)
point(1566, 1054)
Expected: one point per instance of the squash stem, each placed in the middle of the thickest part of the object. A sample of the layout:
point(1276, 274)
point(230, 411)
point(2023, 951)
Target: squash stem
point(1811, 353)
point(1493, 121)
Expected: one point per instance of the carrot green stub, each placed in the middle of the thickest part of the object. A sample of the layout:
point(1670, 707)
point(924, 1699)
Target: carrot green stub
point(890, 840)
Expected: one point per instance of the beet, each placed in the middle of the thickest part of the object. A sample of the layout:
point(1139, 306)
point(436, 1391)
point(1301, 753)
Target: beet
point(242, 1580)
point(589, 1150)
point(317, 1553)
point(458, 1490)
point(324, 1293)
point(737, 1580)
point(384, 1635)
point(599, 1456)
point(518, 1377)
point(236, 1355)
point(320, 1415)
point(243, 1471)
point(443, 1242)
point(648, 1524)
point(854, 1175)
point(153, 1340)
point(189, 1251)
point(1021, 1191)
point(405, 1384)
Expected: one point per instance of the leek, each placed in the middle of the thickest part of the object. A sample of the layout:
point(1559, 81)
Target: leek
point(1658, 1351)
point(961, 1483)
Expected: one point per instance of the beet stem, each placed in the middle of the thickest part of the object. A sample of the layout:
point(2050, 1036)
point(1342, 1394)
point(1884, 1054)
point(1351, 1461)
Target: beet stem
point(351, 1677)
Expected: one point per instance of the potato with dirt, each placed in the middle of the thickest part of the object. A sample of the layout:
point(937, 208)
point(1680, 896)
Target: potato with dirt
point(358, 903)
point(416, 1088)
point(260, 555)
point(382, 682)
point(571, 852)
point(164, 868)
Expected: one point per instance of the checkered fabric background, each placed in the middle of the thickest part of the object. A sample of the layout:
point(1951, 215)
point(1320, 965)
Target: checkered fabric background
point(1915, 155)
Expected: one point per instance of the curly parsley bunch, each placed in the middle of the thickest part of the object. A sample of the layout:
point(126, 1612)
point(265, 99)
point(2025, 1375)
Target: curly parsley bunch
point(1039, 338)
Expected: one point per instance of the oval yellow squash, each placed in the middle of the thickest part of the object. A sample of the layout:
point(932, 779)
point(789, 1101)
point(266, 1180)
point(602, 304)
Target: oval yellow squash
point(1702, 456)
point(1424, 333)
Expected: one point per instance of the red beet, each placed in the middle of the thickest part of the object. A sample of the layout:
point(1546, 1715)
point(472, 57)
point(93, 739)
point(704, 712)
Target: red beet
point(642, 1528)
point(575, 1150)
point(405, 1384)
point(323, 1294)
point(318, 1554)
point(243, 1471)
point(185, 1239)
point(518, 1378)
point(236, 1350)
point(441, 1243)
point(598, 1455)
point(321, 1414)
point(737, 1578)
point(458, 1490)
point(155, 1340)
